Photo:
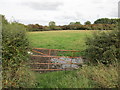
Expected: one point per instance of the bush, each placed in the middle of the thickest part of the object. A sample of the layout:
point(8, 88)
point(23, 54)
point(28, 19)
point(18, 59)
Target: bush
point(103, 47)
point(103, 77)
point(15, 48)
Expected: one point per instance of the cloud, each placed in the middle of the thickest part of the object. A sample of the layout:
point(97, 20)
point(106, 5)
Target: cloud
point(60, 11)
point(43, 5)
point(113, 13)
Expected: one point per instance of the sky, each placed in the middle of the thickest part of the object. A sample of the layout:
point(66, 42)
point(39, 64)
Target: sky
point(61, 11)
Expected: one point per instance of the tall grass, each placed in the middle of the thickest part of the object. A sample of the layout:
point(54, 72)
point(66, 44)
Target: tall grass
point(63, 79)
point(89, 76)
point(103, 76)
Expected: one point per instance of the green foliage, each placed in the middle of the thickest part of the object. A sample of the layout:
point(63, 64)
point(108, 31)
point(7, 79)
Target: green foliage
point(72, 23)
point(63, 79)
point(52, 25)
point(87, 23)
point(100, 24)
point(106, 21)
point(90, 76)
point(104, 47)
point(78, 23)
point(46, 28)
point(75, 23)
point(103, 77)
point(15, 48)
point(23, 78)
point(4, 21)
point(57, 28)
point(36, 27)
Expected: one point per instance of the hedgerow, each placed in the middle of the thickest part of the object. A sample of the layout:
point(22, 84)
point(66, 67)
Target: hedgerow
point(104, 47)
point(15, 46)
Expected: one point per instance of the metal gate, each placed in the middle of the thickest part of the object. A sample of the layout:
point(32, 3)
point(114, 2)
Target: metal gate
point(54, 59)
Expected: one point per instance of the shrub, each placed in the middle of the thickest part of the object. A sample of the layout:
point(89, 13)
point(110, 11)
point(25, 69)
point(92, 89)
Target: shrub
point(46, 28)
point(14, 56)
point(57, 28)
point(103, 47)
point(103, 77)
point(34, 27)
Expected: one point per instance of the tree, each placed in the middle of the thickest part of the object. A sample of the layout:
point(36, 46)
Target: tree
point(106, 21)
point(78, 23)
point(87, 23)
point(3, 19)
point(52, 25)
point(102, 21)
point(72, 23)
point(75, 23)
point(35, 27)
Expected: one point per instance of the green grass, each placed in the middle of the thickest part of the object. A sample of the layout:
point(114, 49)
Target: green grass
point(63, 79)
point(66, 40)
point(99, 76)
point(85, 77)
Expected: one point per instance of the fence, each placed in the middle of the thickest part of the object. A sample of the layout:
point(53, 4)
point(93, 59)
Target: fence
point(54, 59)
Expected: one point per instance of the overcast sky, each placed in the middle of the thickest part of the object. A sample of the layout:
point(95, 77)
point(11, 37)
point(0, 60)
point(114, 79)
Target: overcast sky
point(60, 11)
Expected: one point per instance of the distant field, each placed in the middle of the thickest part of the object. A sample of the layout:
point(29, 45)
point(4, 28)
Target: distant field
point(67, 39)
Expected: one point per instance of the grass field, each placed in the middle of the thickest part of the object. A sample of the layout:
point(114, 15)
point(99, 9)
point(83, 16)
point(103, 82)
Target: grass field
point(85, 77)
point(68, 40)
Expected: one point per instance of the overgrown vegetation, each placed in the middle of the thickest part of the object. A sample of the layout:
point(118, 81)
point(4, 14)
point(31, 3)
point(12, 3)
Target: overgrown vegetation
point(15, 56)
point(103, 76)
point(89, 76)
point(102, 51)
point(104, 47)
point(63, 79)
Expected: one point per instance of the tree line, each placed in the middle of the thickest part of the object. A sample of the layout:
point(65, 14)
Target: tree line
point(99, 24)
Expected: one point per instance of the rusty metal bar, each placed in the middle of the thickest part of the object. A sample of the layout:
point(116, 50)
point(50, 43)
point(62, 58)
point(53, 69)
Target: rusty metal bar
point(45, 69)
point(55, 63)
point(57, 49)
point(71, 59)
point(49, 53)
point(39, 52)
point(71, 63)
point(49, 57)
point(44, 56)
point(52, 56)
